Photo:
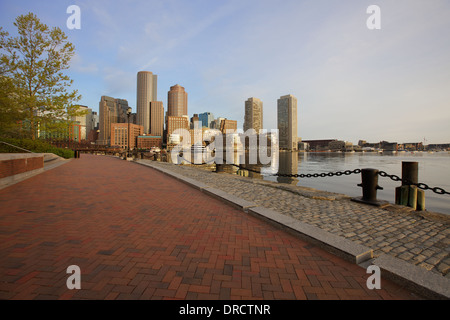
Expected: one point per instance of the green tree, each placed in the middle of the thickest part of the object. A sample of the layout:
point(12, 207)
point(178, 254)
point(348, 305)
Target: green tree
point(33, 64)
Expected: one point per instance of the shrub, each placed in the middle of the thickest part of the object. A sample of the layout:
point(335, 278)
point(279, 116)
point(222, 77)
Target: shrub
point(37, 146)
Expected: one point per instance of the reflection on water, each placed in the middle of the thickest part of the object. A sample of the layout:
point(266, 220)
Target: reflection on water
point(434, 170)
point(288, 164)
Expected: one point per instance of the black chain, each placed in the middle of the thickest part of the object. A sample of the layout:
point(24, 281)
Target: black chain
point(422, 186)
point(306, 175)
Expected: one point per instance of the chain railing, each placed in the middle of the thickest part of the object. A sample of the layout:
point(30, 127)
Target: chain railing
point(422, 186)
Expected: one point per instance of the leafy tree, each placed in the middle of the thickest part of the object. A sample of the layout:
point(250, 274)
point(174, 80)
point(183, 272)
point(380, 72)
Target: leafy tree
point(33, 64)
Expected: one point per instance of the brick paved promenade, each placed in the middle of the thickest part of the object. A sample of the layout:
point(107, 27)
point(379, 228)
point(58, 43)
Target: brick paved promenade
point(139, 234)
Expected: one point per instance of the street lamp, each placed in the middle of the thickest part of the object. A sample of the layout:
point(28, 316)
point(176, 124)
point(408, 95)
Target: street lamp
point(129, 133)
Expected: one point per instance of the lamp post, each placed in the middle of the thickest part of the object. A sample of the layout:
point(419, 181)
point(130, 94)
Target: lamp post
point(129, 133)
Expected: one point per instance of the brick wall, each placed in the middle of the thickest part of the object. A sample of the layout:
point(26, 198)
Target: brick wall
point(10, 167)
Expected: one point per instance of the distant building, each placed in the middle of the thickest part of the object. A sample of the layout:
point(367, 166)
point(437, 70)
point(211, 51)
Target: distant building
point(174, 123)
point(319, 145)
point(303, 146)
point(195, 119)
point(111, 111)
point(339, 145)
point(177, 101)
point(146, 93)
point(228, 126)
point(81, 122)
point(91, 123)
point(253, 114)
point(287, 122)
point(148, 142)
point(156, 118)
point(120, 135)
point(413, 146)
point(198, 135)
point(215, 124)
point(206, 119)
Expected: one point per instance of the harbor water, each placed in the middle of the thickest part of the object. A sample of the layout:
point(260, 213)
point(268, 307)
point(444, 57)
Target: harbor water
point(434, 170)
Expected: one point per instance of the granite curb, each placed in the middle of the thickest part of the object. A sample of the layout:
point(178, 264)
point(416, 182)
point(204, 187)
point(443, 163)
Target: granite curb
point(417, 279)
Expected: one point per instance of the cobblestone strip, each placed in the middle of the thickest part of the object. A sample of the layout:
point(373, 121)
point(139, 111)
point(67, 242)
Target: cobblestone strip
point(422, 239)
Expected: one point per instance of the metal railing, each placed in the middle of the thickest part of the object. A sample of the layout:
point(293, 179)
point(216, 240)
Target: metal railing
point(11, 145)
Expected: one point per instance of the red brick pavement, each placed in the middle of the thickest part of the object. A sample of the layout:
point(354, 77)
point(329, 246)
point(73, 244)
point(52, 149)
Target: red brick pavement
point(138, 234)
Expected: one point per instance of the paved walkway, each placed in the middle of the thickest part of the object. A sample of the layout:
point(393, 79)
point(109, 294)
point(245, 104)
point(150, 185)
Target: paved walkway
point(419, 238)
point(136, 233)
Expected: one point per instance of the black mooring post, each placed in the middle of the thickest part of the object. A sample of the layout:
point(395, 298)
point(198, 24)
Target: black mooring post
point(369, 184)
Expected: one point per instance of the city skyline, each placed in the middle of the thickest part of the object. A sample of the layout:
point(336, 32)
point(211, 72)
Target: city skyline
point(352, 83)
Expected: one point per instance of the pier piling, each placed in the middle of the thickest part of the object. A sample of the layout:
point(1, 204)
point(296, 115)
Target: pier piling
point(408, 194)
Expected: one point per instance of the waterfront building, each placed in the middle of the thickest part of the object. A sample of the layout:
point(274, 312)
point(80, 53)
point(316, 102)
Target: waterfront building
point(216, 123)
point(287, 122)
point(81, 121)
point(253, 115)
point(174, 123)
point(120, 134)
point(146, 93)
point(319, 145)
point(194, 121)
point(91, 123)
point(148, 142)
point(228, 126)
point(206, 119)
point(111, 111)
point(340, 145)
point(156, 118)
point(177, 99)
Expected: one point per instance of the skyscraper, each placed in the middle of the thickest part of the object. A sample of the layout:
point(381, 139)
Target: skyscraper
point(253, 114)
point(177, 101)
point(287, 122)
point(111, 111)
point(206, 118)
point(156, 118)
point(146, 93)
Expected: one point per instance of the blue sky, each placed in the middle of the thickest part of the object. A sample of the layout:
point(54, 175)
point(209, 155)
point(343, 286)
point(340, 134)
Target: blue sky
point(351, 82)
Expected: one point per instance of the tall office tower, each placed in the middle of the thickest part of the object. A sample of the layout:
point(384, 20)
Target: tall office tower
point(253, 114)
point(111, 111)
point(156, 118)
point(177, 101)
point(287, 122)
point(206, 119)
point(146, 93)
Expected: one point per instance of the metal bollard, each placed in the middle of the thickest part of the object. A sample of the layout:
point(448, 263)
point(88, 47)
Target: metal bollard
point(369, 184)
point(219, 167)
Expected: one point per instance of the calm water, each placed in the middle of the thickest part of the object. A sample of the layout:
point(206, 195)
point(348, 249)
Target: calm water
point(434, 170)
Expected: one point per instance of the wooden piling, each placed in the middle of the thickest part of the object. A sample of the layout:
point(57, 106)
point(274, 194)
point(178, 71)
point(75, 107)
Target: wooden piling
point(401, 195)
point(408, 194)
point(420, 200)
point(412, 197)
